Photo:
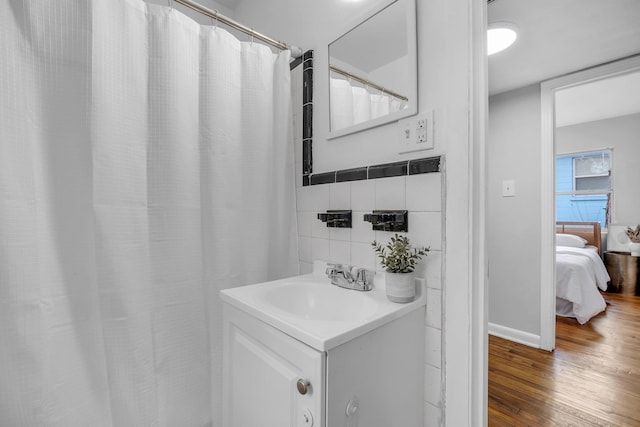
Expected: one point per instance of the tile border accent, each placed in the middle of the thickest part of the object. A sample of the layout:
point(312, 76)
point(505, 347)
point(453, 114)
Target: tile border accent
point(424, 165)
point(307, 114)
point(384, 170)
point(293, 64)
point(388, 169)
point(323, 178)
point(355, 174)
point(307, 117)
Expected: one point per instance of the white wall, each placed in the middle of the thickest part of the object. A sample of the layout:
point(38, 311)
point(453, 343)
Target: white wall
point(513, 227)
point(312, 25)
point(621, 134)
point(513, 223)
point(445, 72)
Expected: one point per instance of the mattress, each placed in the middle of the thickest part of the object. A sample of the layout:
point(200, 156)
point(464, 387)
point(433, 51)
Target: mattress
point(580, 273)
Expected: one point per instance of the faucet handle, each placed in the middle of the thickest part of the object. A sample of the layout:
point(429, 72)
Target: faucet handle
point(362, 275)
point(332, 268)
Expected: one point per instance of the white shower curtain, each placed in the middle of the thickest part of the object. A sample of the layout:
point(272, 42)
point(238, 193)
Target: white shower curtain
point(352, 104)
point(146, 162)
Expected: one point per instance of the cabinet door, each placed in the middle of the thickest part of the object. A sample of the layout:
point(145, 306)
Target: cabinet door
point(262, 366)
point(377, 379)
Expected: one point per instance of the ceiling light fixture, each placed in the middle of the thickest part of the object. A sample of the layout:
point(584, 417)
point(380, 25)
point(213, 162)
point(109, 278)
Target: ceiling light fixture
point(500, 36)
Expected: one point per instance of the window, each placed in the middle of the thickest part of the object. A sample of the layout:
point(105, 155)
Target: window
point(583, 187)
point(591, 173)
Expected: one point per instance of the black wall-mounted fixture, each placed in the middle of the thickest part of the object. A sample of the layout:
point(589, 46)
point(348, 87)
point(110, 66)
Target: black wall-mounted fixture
point(336, 219)
point(388, 220)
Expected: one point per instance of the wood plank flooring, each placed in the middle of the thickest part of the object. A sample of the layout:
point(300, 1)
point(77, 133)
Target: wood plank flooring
point(591, 379)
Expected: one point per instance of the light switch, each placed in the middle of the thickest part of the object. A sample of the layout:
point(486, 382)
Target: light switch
point(508, 188)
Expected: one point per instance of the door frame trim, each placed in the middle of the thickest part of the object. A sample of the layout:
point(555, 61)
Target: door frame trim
point(548, 90)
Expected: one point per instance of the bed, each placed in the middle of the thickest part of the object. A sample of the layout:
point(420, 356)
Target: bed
point(580, 272)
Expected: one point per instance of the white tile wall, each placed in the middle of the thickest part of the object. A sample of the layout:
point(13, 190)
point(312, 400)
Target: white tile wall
point(361, 231)
point(340, 251)
point(303, 199)
point(339, 195)
point(319, 229)
point(320, 199)
point(433, 347)
point(362, 193)
point(320, 249)
point(390, 193)
point(362, 255)
point(432, 415)
point(420, 194)
point(425, 229)
point(421, 191)
point(432, 388)
point(434, 311)
point(304, 249)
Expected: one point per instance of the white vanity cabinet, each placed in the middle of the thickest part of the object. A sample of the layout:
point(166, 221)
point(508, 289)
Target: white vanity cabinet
point(381, 373)
point(301, 352)
point(261, 369)
point(373, 380)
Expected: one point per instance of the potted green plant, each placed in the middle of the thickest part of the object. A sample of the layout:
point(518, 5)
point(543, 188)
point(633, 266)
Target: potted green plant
point(399, 260)
point(634, 238)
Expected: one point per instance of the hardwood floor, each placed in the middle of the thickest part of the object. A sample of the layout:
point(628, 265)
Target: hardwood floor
point(591, 379)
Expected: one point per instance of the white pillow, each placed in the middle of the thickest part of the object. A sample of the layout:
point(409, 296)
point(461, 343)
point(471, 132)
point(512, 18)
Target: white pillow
point(570, 240)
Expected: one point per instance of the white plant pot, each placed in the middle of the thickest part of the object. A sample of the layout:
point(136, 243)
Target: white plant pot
point(634, 248)
point(401, 287)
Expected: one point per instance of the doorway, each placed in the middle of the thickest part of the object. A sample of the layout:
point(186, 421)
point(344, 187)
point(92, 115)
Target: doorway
point(549, 92)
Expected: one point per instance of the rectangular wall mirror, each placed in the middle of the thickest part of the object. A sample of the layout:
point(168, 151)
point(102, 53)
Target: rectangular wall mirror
point(373, 69)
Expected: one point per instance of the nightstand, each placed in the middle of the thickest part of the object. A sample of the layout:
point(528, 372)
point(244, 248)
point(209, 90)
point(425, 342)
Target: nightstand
point(623, 269)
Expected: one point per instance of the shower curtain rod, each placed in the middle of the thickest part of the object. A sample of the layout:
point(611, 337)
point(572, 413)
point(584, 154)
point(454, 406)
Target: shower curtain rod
point(296, 52)
point(367, 82)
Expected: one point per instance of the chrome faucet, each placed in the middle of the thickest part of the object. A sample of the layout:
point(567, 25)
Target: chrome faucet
point(355, 278)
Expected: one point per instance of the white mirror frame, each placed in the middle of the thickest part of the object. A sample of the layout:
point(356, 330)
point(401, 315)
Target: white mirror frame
point(412, 59)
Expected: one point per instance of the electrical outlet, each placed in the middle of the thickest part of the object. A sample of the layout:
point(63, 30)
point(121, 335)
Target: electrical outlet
point(421, 135)
point(416, 133)
point(424, 130)
point(421, 122)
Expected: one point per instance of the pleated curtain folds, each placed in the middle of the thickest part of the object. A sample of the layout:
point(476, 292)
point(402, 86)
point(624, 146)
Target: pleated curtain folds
point(146, 162)
point(352, 103)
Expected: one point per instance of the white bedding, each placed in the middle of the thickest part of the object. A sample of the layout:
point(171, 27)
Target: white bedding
point(579, 274)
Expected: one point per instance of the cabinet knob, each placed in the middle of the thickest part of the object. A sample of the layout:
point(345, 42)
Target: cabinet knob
point(303, 386)
point(352, 407)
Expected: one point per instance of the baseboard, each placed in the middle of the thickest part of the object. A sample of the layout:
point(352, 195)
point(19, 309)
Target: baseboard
point(515, 335)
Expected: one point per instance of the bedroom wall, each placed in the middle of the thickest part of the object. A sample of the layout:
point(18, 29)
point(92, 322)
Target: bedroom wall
point(621, 134)
point(513, 223)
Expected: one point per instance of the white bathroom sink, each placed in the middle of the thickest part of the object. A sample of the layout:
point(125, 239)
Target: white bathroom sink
point(313, 299)
point(312, 310)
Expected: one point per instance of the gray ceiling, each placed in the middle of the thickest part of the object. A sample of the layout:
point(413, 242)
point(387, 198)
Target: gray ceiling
point(609, 97)
point(558, 37)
